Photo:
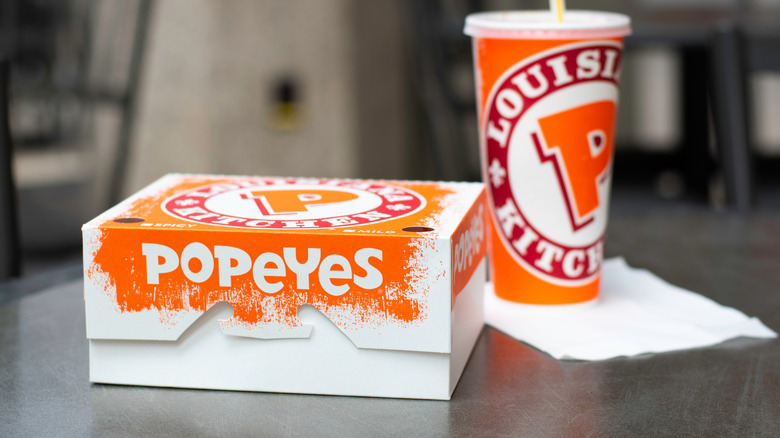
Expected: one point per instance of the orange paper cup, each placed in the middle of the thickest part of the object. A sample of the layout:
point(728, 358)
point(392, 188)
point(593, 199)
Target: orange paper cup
point(547, 97)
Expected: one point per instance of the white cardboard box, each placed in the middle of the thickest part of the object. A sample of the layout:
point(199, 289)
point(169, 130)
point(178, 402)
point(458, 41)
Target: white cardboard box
point(370, 288)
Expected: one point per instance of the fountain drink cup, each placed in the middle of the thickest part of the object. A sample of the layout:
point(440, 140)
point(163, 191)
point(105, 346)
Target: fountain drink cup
point(547, 97)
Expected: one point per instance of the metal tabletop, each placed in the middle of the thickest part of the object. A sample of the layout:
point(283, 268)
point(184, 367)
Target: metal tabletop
point(507, 389)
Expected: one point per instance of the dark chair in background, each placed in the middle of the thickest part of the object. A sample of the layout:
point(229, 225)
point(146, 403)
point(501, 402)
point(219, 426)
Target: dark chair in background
point(730, 103)
point(742, 46)
point(718, 49)
point(10, 265)
point(9, 236)
point(440, 55)
point(74, 73)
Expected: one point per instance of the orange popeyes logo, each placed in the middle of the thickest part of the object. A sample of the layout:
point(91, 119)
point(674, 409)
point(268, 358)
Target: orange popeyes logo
point(581, 154)
point(293, 204)
point(290, 201)
point(547, 144)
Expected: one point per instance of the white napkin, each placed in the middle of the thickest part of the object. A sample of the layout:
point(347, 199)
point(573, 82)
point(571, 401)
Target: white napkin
point(636, 312)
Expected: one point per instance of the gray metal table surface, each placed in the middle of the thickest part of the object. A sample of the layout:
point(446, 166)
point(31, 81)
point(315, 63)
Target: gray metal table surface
point(507, 389)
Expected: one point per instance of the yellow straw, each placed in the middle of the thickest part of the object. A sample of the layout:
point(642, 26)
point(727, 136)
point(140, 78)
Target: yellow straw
point(557, 7)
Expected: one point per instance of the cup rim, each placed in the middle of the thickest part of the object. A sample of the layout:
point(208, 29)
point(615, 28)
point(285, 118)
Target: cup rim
point(542, 24)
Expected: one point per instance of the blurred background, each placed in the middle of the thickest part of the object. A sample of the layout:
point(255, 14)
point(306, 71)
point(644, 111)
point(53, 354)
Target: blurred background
point(106, 96)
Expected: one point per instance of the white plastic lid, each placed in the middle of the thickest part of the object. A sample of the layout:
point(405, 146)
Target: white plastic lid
point(543, 25)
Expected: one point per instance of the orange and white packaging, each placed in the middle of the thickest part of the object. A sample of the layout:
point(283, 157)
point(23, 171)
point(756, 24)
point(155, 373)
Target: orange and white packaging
point(547, 97)
point(369, 288)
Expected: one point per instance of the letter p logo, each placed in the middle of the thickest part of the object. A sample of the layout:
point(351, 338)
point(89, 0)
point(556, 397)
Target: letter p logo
point(292, 201)
point(579, 143)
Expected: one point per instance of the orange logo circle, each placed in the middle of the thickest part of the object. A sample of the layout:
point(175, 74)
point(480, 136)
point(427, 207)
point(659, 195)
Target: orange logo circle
point(293, 203)
point(548, 146)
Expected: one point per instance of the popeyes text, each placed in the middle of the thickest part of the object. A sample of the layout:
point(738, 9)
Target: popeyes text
point(268, 270)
